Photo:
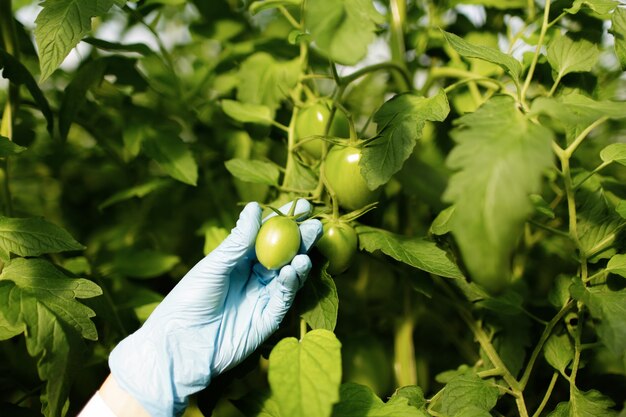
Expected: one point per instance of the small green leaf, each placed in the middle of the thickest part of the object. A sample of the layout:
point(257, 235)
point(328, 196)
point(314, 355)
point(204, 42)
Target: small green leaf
point(566, 55)
point(621, 209)
point(248, 113)
point(342, 29)
point(33, 237)
point(17, 73)
point(412, 393)
point(320, 303)
point(87, 77)
point(258, 172)
point(601, 7)
point(138, 48)
point(400, 123)
point(609, 308)
point(618, 28)
point(173, 155)
point(617, 265)
point(143, 263)
point(542, 206)
point(138, 191)
point(467, 390)
point(416, 252)
point(615, 152)
point(466, 49)
point(500, 157)
point(61, 24)
point(441, 225)
point(585, 404)
point(9, 148)
point(259, 6)
point(360, 401)
point(559, 351)
point(299, 368)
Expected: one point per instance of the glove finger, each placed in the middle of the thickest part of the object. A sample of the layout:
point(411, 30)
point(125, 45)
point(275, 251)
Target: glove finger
point(303, 209)
point(282, 289)
point(236, 246)
point(310, 232)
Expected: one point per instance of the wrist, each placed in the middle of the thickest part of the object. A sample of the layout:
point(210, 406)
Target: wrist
point(119, 401)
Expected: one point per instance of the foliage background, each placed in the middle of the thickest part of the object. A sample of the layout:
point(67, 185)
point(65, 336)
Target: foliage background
point(124, 148)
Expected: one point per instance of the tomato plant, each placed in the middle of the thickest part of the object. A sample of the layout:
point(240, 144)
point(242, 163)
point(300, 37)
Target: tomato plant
point(490, 135)
point(338, 244)
point(312, 121)
point(278, 242)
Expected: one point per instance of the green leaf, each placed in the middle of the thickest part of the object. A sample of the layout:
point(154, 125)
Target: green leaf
point(621, 209)
point(542, 206)
point(87, 77)
point(320, 303)
point(342, 29)
point(467, 390)
point(138, 191)
point(9, 148)
point(413, 395)
point(609, 308)
point(617, 265)
point(213, 236)
point(41, 299)
point(259, 6)
point(145, 263)
point(400, 123)
point(173, 155)
point(61, 24)
point(466, 49)
point(441, 224)
point(248, 113)
point(305, 375)
point(618, 28)
point(496, 4)
point(360, 401)
point(266, 81)
point(33, 237)
point(559, 351)
point(17, 73)
point(499, 159)
point(416, 252)
point(585, 404)
point(258, 172)
point(566, 55)
point(615, 152)
point(601, 7)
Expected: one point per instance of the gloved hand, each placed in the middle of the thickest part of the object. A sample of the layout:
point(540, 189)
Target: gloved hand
point(218, 314)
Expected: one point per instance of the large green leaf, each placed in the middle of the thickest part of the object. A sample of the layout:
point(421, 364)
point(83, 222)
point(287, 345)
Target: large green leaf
point(17, 73)
point(258, 172)
point(342, 29)
point(173, 155)
point(617, 265)
point(417, 252)
point(609, 308)
point(499, 159)
point(601, 7)
point(266, 81)
point(138, 191)
point(467, 390)
point(618, 28)
point(468, 50)
point(41, 299)
point(566, 55)
point(559, 351)
point(247, 112)
point(320, 303)
point(33, 237)
point(143, 263)
point(360, 401)
point(61, 24)
point(400, 123)
point(305, 375)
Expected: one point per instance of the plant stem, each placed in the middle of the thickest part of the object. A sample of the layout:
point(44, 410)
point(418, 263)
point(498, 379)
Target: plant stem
point(571, 202)
point(569, 151)
point(390, 65)
point(404, 350)
point(283, 10)
point(542, 340)
point(398, 48)
point(533, 64)
point(303, 328)
point(556, 83)
point(546, 397)
point(592, 173)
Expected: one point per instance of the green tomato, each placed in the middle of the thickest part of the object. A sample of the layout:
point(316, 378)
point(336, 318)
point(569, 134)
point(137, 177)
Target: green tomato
point(338, 244)
point(343, 174)
point(311, 121)
point(278, 242)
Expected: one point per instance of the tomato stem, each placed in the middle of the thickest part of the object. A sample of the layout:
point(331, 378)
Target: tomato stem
point(533, 64)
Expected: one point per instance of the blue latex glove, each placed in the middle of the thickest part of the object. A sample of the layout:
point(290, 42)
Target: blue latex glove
point(217, 315)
